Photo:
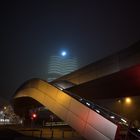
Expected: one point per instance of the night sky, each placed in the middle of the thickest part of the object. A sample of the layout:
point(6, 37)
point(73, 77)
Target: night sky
point(32, 31)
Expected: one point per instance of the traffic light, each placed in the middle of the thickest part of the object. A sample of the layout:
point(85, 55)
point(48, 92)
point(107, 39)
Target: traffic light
point(33, 116)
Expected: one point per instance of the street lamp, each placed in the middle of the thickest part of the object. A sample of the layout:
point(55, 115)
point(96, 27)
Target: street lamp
point(128, 100)
point(5, 107)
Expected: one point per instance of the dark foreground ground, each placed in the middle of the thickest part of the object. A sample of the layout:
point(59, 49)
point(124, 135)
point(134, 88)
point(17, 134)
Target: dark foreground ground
point(10, 134)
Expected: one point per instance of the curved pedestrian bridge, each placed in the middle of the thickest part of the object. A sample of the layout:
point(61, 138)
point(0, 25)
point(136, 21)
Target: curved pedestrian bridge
point(88, 121)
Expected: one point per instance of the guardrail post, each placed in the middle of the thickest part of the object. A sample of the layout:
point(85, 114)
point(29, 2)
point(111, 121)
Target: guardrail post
point(52, 134)
point(62, 133)
point(41, 133)
point(72, 133)
point(32, 133)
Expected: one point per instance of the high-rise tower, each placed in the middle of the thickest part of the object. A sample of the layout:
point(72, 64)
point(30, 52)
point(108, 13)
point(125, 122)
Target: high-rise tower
point(61, 65)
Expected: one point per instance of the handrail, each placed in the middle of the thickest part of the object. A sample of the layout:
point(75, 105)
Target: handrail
point(113, 117)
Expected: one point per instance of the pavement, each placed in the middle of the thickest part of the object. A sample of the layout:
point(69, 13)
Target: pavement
point(11, 134)
point(8, 134)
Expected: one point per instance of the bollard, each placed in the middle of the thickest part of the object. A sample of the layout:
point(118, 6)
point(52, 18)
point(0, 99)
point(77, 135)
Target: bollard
point(72, 133)
point(41, 133)
point(52, 134)
point(62, 133)
point(32, 133)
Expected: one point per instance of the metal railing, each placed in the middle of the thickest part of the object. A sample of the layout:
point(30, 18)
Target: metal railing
point(113, 117)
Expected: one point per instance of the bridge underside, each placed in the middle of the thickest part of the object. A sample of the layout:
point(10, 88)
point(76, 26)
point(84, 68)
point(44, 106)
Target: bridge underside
point(120, 84)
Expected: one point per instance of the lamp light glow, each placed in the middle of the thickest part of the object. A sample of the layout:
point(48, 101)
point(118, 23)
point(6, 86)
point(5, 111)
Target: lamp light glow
point(63, 53)
point(128, 100)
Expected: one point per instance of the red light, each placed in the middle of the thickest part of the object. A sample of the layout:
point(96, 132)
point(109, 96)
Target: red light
point(34, 115)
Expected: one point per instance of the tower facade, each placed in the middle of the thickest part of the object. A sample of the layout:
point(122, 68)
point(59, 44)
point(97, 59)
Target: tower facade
point(60, 65)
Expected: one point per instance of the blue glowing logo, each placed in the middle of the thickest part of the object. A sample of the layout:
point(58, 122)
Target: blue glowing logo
point(63, 53)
